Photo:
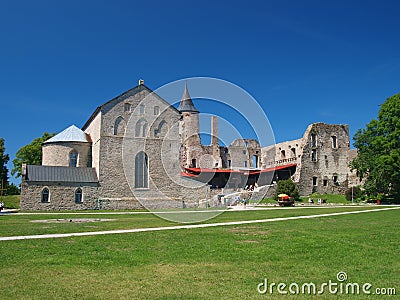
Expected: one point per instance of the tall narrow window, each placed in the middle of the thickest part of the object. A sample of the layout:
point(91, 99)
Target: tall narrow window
point(141, 109)
point(127, 107)
point(283, 154)
point(194, 164)
point(229, 163)
point(314, 155)
point(246, 144)
point(314, 181)
point(334, 142)
point(45, 195)
point(293, 152)
point(313, 140)
point(255, 161)
point(78, 195)
point(156, 110)
point(245, 164)
point(141, 170)
point(73, 158)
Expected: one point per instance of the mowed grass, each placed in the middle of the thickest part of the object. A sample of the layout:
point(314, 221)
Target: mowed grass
point(225, 262)
point(24, 224)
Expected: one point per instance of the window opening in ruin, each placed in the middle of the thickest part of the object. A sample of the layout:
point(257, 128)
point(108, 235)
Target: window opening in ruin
point(313, 140)
point(127, 107)
point(141, 170)
point(293, 152)
point(45, 195)
point(78, 195)
point(334, 142)
point(325, 182)
point(245, 144)
point(245, 164)
point(194, 163)
point(335, 179)
point(314, 181)
point(283, 154)
point(314, 155)
point(255, 161)
point(73, 158)
point(229, 163)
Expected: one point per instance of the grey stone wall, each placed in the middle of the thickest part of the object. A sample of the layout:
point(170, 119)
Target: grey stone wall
point(62, 196)
point(241, 152)
point(57, 154)
point(322, 160)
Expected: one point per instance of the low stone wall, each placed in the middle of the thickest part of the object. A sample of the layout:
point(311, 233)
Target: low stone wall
point(61, 196)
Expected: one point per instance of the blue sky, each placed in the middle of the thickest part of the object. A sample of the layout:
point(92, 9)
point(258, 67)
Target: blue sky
point(303, 61)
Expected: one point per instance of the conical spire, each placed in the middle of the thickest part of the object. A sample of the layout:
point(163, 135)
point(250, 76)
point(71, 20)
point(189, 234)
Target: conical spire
point(186, 104)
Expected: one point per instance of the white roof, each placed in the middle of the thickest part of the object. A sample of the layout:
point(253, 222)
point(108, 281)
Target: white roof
point(71, 134)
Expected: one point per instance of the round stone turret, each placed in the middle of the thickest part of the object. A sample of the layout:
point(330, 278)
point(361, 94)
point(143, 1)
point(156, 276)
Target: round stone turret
point(69, 148)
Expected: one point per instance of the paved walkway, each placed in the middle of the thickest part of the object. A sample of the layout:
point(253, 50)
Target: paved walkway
point(76, 234)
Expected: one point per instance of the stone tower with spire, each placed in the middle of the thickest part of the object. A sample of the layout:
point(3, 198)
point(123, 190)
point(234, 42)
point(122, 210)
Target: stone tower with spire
point(190, 132)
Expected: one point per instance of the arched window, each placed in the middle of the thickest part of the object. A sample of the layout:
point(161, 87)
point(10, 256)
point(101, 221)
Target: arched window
point(141, 170)
point(161, 130)
point(78, 195)
point(73, 158)
point(45, 195)
point(141, 128)
point(119, 126)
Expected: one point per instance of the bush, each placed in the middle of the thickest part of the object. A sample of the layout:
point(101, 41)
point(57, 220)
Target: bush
point(355, 191)
point(287, 187)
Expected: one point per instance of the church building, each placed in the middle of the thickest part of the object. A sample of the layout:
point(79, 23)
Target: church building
point(137, 150)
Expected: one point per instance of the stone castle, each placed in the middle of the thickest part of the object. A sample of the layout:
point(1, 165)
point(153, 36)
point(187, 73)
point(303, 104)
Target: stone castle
point(138, 150)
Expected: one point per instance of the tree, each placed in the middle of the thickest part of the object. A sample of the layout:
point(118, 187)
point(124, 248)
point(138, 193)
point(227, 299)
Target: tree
point(4, 158)
point(30, 154)
point(287, 187)
point(378, 160)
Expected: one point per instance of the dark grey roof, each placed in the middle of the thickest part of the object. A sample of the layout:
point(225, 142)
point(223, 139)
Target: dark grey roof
point(186, 104)
point(60, 174)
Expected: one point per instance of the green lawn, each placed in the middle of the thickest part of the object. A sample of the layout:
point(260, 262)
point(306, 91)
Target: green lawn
point(206, 263)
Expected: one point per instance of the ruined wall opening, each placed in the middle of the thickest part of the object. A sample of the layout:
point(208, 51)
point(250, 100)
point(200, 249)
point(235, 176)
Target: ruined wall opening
point(194, 163)
point(313, 140)
point(334, 141)
point(255, 161)
point(314, 155)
